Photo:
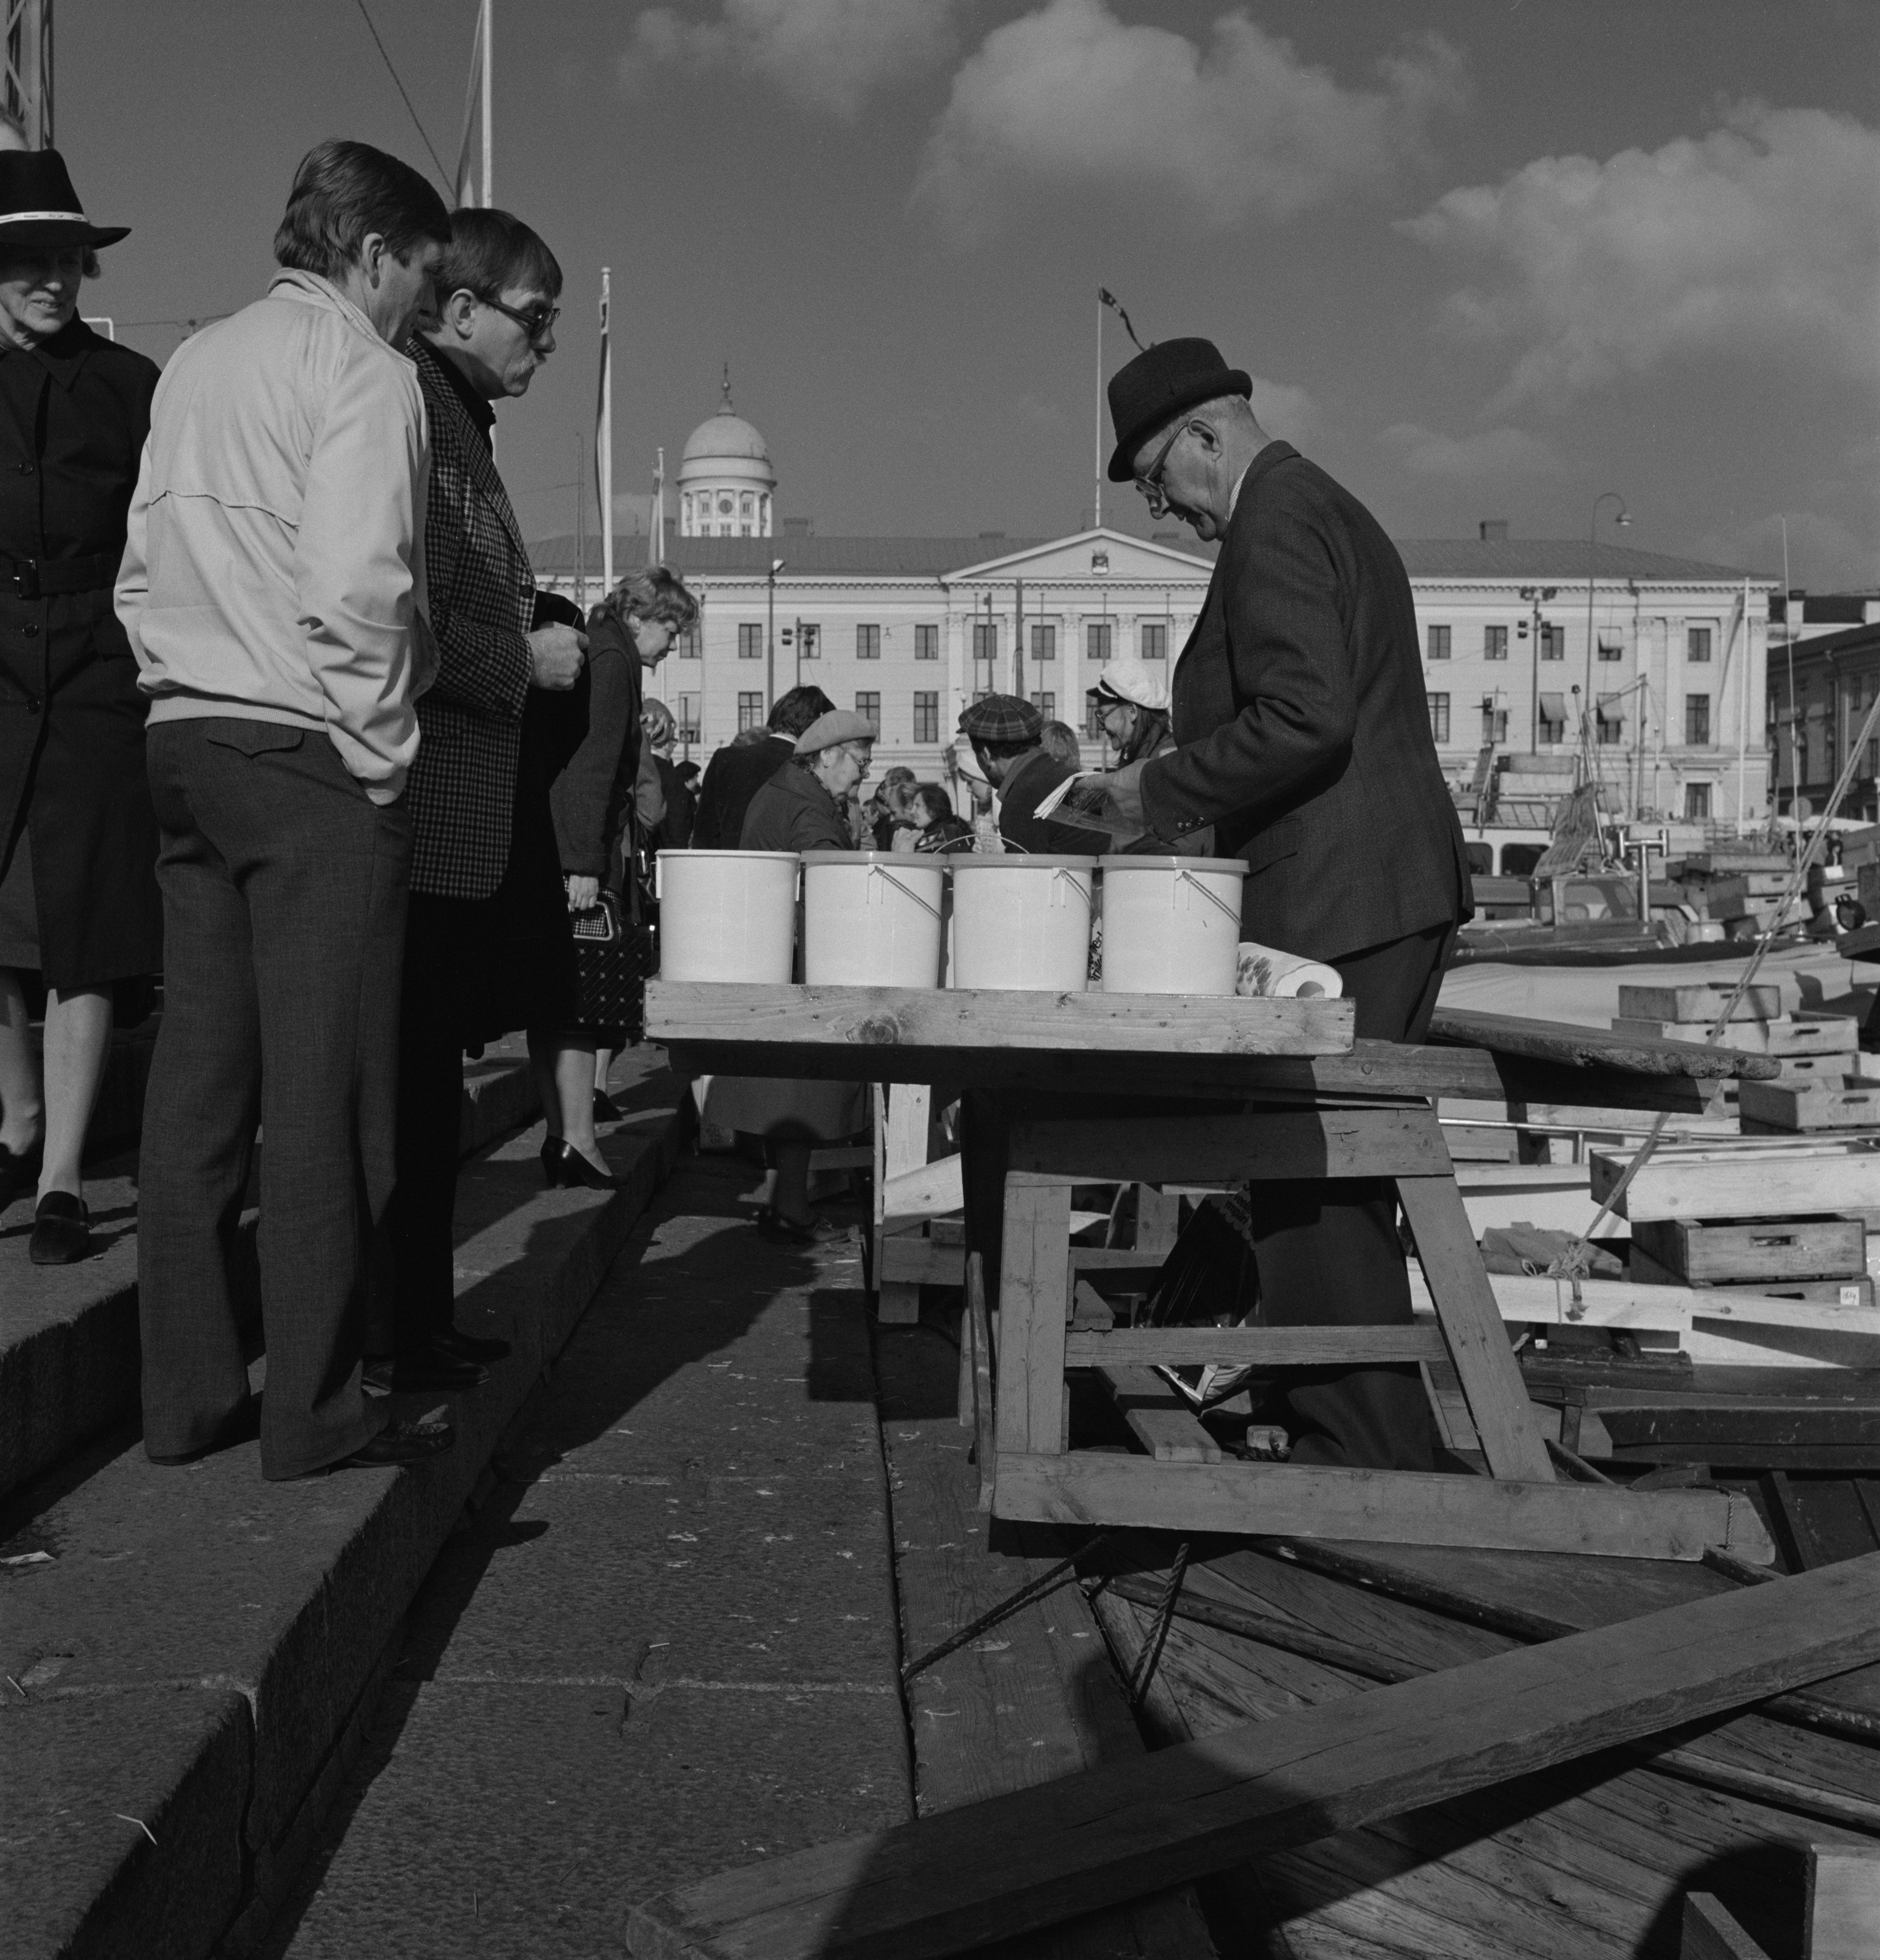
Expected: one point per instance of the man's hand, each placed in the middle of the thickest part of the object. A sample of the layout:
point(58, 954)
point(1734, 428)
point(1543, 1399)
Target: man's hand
point(584, 894)
point(1124, 788)
point(555, 654)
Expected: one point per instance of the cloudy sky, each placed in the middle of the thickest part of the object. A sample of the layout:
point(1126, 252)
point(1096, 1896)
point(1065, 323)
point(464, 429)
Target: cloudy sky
point(1488, 258)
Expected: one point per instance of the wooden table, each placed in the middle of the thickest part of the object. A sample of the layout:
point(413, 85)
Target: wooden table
point(1089, 1088)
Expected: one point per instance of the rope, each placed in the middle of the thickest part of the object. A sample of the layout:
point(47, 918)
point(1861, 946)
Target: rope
point(1144, 1671)
point(1060, 1574)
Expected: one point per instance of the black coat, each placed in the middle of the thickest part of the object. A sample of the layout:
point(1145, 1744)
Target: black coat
point(732, 778)
point(594, 796)
point(1033, 778)
point(1303, 733)
point(74, 415)
point(793, 812)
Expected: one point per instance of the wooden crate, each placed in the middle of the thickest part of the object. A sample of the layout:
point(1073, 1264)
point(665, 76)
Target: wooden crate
point(1851, 1103)
point(1751, 1036)
point(1701, 1002)
point(1829, 1068)
point(1745, 889)
point(1853, 1292)
point(1702, 1253)
point(1805, 1033)
point(1771, 1177)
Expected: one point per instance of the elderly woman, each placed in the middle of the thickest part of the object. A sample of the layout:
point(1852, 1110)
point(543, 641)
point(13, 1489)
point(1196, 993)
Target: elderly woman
point(801, 809)
point(80, 914)
point(1133, 706)
point(594, 800)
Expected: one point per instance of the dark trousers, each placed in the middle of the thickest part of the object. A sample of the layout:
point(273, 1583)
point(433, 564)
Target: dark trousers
point(284, 890)
point(1329, 1254)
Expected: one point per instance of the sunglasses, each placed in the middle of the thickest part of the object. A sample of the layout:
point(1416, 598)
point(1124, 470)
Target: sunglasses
point(536, 324)
point(1149, 482)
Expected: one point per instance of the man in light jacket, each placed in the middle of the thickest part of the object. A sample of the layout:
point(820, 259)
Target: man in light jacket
point(271, 589)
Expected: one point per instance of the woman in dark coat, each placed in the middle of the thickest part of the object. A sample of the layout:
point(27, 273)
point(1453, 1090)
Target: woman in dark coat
point(628, 633)
point(79, 908)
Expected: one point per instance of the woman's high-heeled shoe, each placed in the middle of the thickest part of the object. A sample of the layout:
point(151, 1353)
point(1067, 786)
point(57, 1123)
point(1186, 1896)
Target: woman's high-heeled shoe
point(563, 1164)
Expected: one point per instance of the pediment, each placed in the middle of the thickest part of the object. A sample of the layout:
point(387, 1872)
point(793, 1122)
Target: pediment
point(1113, 557)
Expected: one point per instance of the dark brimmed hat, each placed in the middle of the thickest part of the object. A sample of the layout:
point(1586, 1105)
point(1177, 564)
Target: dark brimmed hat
point(1169, 379)
point(1002, 717)
point(38, 205)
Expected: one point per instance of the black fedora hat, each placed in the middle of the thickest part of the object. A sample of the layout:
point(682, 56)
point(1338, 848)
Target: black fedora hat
point(38, 205)
point(1169, 378)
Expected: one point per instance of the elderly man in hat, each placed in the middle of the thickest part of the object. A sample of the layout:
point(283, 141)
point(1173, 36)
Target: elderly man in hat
point(1008, 736)
point(1304, 739)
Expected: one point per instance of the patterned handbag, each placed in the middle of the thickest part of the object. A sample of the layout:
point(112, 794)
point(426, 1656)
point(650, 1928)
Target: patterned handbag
point(615, 954)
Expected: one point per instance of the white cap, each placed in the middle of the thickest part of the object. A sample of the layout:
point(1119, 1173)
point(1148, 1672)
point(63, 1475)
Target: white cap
point(1135, 681)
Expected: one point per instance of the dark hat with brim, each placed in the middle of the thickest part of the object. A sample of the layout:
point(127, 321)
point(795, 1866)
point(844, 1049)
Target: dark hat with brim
point(1166, 381)
point(38, 205)
point(1001, 717)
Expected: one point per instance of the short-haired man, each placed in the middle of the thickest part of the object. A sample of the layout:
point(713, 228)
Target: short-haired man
point(738, 771)
point(272, 588)
point(1008, 736)
point(492, 328)
point(1303, 737)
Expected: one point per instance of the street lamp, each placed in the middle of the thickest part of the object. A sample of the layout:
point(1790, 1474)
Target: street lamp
point(1536, 596)
point(1592, 532)
point(769, 639)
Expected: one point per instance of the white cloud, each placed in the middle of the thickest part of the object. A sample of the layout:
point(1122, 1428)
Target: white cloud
point(1071, 96)
point(1494, 454)
point(830, 55)
point(1283, 409)
point(1759, 237)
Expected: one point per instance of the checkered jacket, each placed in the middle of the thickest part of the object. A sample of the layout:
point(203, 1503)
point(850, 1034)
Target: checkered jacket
point(482, 590)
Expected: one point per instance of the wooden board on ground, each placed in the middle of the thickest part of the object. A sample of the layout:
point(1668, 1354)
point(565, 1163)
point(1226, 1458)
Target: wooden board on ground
point(1640, 1304)
point(1843, 1903)
point(1711, 1933)
point(1021, 1861)
point(1696, 1251)
point(1759, 1177)
point(1702, 1002)
point(1562, 1042)
point(1162, 1419)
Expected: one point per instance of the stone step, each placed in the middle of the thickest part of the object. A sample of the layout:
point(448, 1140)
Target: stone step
point(188, 1655)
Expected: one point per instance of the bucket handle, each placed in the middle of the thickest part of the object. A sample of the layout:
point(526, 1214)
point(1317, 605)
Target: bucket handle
point(1069, 878)
point(907, 891)
point(1213, 898)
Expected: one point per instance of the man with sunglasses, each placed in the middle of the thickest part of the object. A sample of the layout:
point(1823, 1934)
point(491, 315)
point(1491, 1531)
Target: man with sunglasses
point(1303, 737)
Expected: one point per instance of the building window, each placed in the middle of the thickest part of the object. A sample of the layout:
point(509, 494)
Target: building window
point(688, 717)
point(1494, 723)
point(1494, 643)
point(750, 712)
point(1439, 716)
point(1553, 643)
point(1155, 640)
point(926, 718)
point(1552, 714)
point(868, 643)
point(1096, 641)
point(1093, 715)
point(684, 506)
point(1696, 721)
point(1611, 720)
point(1046, 704)
point(809, 640)
point(870, 705)
point(1873, 755)
point(744, 531)
point(747, 505)
point(1697, 802)
point(1438, 639)
point(691, 647)
point(927, 643)
point(1610, 649)
point(1697, 648)
point(985, 640)
point(1044, 641)
point(750, 643)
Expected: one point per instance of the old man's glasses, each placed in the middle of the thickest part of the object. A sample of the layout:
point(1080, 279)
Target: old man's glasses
point(1149, 482)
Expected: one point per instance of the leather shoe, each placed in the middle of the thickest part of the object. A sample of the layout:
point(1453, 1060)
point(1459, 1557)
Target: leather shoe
point(421, 1370)
point(61, 1230)
point(400, 1442)
point(782, 1231)
point(563, 1164)
point(470, 1347)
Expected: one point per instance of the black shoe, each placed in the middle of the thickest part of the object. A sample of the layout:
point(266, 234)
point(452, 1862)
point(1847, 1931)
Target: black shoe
point(606, 1110)
point(61, 1230)
point(422, 1369)
point(782, 1231)
point(399, 1442)
point(563, 1164)
point(470, 1347)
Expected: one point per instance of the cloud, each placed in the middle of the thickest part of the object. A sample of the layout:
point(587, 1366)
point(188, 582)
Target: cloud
point(1826, 553)
point(1283, 409)
point(1489, 453)
point(829, 55)
point(1071, 96)
point(1758, 238)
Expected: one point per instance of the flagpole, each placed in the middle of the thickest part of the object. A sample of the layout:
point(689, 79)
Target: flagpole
point(655, 531)
point(605, 434)
point(489, 66)
point(1097, 513)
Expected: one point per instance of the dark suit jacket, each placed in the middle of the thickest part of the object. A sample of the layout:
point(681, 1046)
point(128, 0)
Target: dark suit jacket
point(1303, 732)
point(732, 778)
point(594, 794)
point(1031, 780)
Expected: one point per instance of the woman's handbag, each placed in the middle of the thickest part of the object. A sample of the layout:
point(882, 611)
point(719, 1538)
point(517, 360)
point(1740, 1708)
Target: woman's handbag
point(614, 955)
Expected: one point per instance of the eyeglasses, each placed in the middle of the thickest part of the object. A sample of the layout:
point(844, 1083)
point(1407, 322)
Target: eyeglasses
point(1149, 482)
point(536, 324)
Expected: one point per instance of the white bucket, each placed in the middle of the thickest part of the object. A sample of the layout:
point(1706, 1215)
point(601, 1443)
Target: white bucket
point(871, 918)
point(727, 915)
point(1022, 921)
point(1171, 925)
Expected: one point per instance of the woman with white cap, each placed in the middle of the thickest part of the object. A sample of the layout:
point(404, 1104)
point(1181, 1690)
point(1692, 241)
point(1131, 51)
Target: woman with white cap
point(1133, 706)
point(801, 809)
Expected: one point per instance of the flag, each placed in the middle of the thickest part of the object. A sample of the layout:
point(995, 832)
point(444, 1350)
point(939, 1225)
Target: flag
point(604, 434)
point(1110, 300)
point(477, 112)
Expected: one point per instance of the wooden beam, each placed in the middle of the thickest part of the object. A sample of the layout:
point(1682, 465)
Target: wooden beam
point(1634, 1303)
point(1567, 1045)
point(1158, 1418)
point(1388, 1507)
point(1252, 1347)
point(1843, 1903)
point(1387, 1142)
point(1021, 1863)
point(1711, 1933)
point(909, 1259)
point(976, 1339)
point(1034, 1304)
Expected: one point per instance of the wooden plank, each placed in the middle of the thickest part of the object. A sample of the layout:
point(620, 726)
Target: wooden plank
point(1753, 1249)
point(1645, 1307)
point(1758, 1178)
point(1470, 1315)
point(909, 1258)
point(928, 1191)
point(1839, 1293)
point(1572, 1047)
point(1034, 1304)
point(962, 1018)
point(1021, 1863)
point(1247, 1346)
point(1387, 1507)
point(976, 1328)
point(1851, 1103)
point(1158, 1220)
point(1751, 1036)
point(1844, 1903)
point(1385, 1142)
point(1702, 1002)
point(1160, 1419)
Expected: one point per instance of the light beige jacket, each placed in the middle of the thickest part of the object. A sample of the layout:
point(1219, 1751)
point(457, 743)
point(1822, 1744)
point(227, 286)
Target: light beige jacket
point(275, 569)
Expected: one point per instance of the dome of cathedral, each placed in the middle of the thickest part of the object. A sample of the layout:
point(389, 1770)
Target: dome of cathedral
point(725, 437)
point(727, 481)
